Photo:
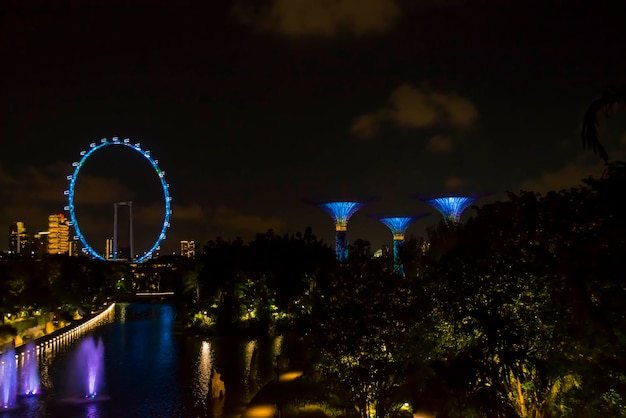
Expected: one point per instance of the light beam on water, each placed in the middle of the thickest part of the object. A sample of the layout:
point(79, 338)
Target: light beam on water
point(8, 378)
point(89, 364)
point(30, 370)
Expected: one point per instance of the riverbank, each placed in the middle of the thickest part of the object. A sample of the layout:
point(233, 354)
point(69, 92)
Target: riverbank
point(50, 333)
point(292, 394)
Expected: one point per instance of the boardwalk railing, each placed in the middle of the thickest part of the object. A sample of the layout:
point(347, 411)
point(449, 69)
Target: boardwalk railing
point(66, 336)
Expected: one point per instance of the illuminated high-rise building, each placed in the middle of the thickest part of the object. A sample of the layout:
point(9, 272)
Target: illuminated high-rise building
point(451, 207)
point(398, 226)
point(188, 249)
point(58, 234)
point(108, 249)
point(341, 213)
point(18, 238)
point(40, 244)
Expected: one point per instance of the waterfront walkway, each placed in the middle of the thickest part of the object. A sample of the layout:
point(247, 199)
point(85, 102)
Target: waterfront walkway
point(68, 334)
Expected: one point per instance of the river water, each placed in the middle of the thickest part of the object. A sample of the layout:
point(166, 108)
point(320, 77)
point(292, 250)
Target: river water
point(152, 371)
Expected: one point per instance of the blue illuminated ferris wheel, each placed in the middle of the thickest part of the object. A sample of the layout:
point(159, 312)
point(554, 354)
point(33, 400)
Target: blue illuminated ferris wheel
point(93, 147)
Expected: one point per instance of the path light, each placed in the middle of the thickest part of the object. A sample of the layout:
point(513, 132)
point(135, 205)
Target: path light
point(286, 377)
point(260, 411)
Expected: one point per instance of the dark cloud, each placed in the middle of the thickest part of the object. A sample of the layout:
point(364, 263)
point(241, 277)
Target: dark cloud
point(91, 190)
point(246, 224)
point(565, 177)
point(31, 193)
point(455, 184)
point(414, 108)
point(440, 144)
point(325, 18)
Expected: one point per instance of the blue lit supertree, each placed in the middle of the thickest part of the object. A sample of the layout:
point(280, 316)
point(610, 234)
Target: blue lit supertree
point(451, 207)
point(398, 226)
point(341, 213)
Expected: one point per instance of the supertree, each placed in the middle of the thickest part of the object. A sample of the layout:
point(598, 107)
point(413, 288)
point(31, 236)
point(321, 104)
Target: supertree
point(451, 207)
point(398, 226)
point(341, 213)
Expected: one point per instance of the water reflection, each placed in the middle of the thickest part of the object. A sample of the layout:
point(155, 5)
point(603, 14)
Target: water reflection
point(121, 314)
point(29, 376)
point(250, 374)
point(203, 375)
point(151, 371)
point(92, 411)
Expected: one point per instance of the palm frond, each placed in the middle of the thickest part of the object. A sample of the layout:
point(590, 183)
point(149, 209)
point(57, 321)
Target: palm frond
point(604, 105)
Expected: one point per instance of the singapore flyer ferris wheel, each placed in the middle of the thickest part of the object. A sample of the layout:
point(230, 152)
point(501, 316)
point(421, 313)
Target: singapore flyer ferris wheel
point(71, 195)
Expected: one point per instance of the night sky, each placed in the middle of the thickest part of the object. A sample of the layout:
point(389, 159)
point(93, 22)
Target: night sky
point(253, 108)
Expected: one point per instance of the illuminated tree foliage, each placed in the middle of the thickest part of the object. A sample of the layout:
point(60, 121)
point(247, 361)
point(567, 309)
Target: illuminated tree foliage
point(256, 284)
point(54, 281)
point(528, 298)
point(361, 335)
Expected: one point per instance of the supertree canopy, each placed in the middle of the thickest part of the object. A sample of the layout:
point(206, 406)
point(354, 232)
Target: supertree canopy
point(398, 226)
point(341, 213)
point(451, 207)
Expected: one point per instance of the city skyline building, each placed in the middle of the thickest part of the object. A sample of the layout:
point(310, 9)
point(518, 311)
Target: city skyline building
point(18, 238)
point(341, 212)
point(108, 249)
point(451, 207)
point(398, 226)
point(188, 249)
point(39, 247)
point(57, 240)
point(58, 234)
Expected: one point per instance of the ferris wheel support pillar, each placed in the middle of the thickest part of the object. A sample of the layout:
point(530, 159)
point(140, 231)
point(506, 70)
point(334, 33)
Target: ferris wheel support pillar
point(115, 232)
point(130, 209)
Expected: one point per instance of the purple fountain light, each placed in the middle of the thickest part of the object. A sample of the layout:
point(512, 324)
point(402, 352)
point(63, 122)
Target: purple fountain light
point(30, 371)
point(8, 379)
point(89, 365)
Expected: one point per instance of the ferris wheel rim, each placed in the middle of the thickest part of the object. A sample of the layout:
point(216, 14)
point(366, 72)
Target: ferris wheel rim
point(93, 147)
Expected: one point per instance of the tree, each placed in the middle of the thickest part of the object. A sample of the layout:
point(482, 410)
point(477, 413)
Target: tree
point(494, 311)
point(362, 321)
point(191, 284)
point(258, 283)
point(528, 296)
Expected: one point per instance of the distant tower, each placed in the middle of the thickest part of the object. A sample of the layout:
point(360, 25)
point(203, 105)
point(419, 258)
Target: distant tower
point(18, 238)
point(188, 249)
point(451, 207)
point(341, 213)
point(398, 226)
point(58, 234)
